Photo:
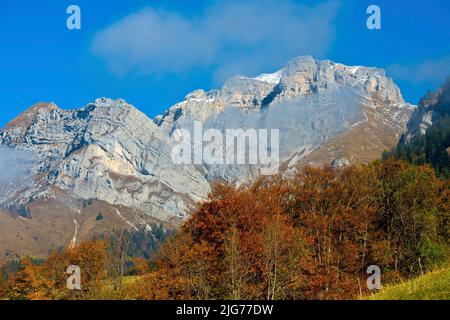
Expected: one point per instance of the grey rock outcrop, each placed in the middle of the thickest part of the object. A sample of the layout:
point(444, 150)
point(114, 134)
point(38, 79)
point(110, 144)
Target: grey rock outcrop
point(431, 107)
point(340, 163)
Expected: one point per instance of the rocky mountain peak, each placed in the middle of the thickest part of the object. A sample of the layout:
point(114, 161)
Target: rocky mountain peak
point(19, 125)
point(305, 75)
point(301, 77)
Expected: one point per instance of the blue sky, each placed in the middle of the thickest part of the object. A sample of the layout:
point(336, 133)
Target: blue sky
point(152, 53)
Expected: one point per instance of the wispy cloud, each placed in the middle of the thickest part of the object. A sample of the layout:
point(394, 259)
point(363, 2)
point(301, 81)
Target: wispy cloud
point(14, 166)
point(230, 37)
point(430, 71)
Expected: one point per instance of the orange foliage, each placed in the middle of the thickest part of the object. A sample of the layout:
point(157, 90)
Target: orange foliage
point(49, 279)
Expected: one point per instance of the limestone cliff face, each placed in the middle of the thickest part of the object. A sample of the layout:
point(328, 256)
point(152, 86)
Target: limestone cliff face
point(110, 151)
point(431, 107)
point(320, 108)
point(306, 75)
point(300, 77)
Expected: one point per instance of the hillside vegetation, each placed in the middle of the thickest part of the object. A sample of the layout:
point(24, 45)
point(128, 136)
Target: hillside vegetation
point(432, 286)
point(311, 236)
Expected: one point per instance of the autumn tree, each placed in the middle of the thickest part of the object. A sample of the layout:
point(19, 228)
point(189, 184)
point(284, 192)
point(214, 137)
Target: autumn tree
point(118, 243)
point(412, 207)
point(48, 280)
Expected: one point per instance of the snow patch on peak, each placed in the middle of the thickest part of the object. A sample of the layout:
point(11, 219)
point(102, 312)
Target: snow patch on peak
point(354, 69)
point(272, 78)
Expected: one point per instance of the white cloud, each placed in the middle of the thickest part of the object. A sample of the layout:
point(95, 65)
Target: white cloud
point(230, 37)
point(429, 71)
point(14, 166)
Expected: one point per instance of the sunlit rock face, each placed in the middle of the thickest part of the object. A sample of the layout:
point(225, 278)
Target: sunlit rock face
point(431, 107)
point(312, 103)
point(109, 151)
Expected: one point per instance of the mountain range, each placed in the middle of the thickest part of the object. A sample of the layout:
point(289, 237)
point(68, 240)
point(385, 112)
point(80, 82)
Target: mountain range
point(64, 166)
